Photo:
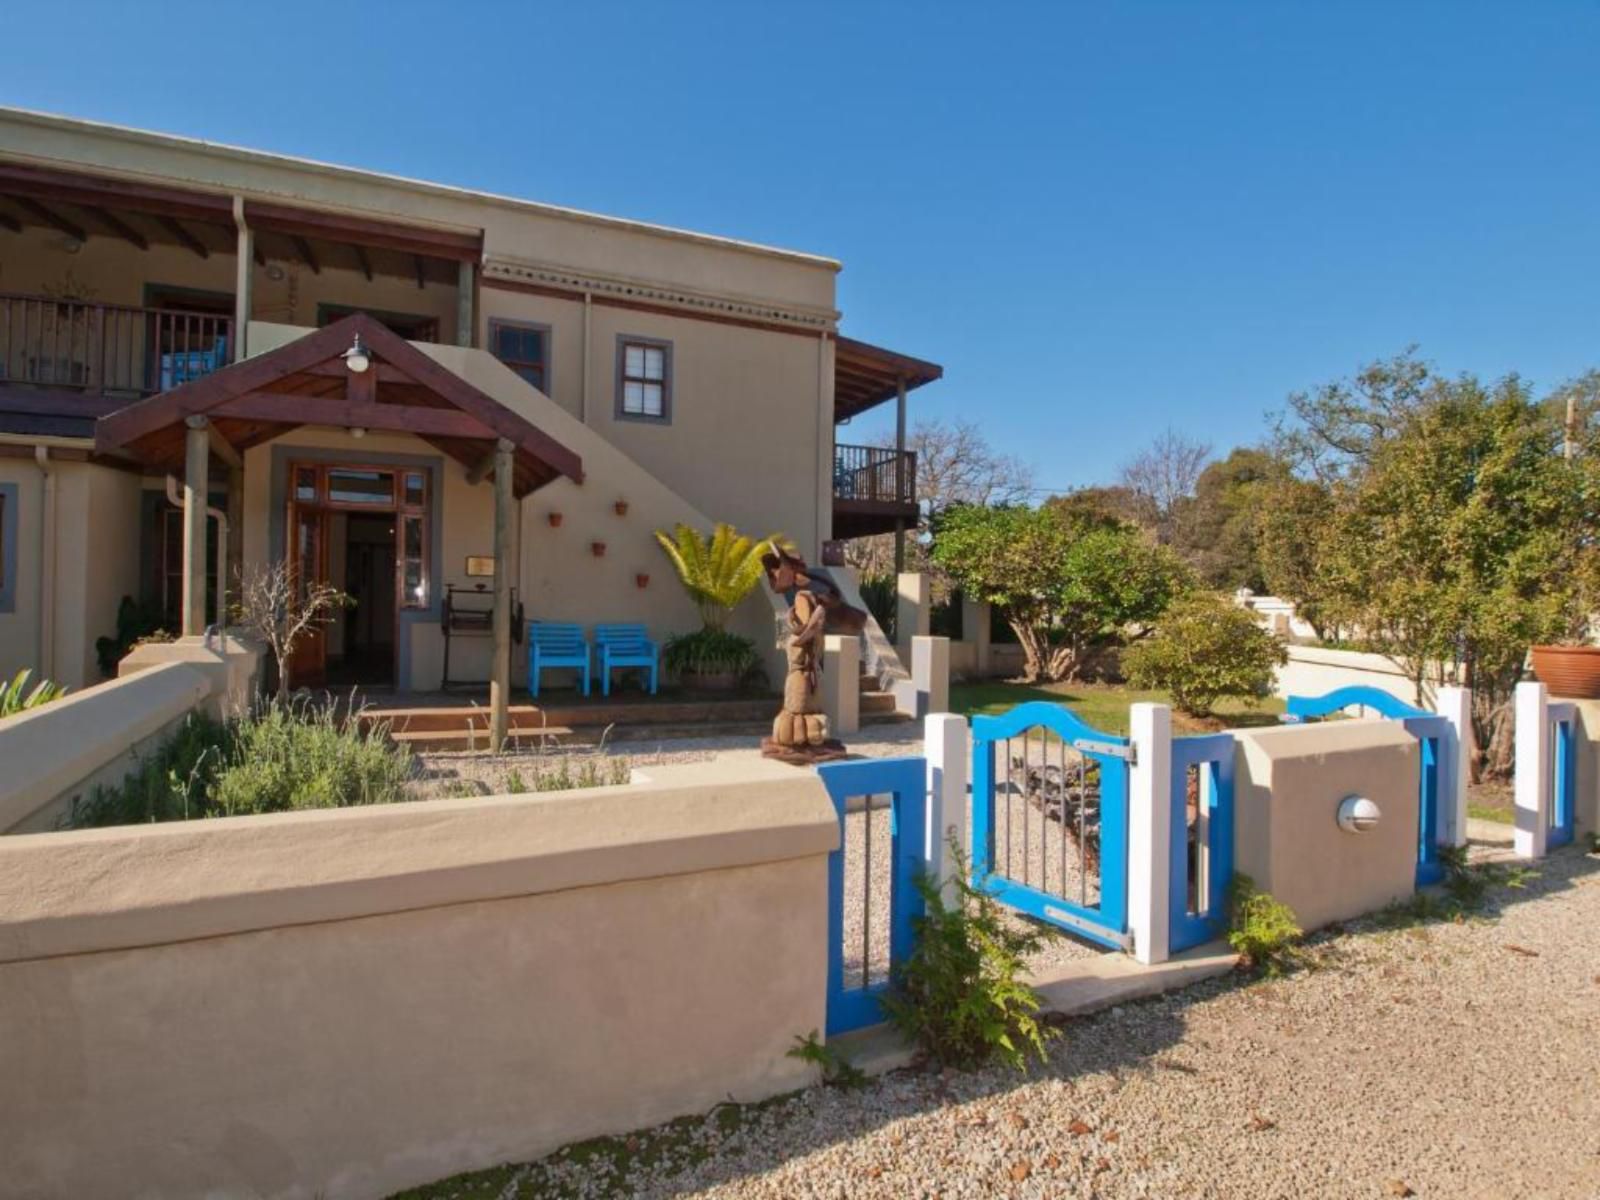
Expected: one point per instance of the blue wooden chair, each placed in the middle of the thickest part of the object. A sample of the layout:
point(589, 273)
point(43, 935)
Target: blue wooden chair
point(625, 646)
point(556, 644)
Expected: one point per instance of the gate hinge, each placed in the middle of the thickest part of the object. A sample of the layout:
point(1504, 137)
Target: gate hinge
point(1106, 749)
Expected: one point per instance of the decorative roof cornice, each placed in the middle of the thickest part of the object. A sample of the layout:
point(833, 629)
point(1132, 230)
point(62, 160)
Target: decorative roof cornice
point(529, 273)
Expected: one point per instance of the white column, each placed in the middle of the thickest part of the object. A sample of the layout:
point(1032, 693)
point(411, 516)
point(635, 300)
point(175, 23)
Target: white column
point(1532, 789)
point(243, 277)
point(930, 674)
point(975, 629)
point(913, 611)
point(1455, 705)
point(841, 683)
point(945, 746)
point(500, 679)
point(1150, 830)
point(466, 319)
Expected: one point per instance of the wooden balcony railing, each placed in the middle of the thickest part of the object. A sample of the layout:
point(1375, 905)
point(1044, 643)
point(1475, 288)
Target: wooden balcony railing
point(107, 347)
point(874, 473)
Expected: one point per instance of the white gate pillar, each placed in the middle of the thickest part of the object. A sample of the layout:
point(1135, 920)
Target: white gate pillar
point(945, 747)
point(1150, 831)
point(1532, 789)
point(1454, 704)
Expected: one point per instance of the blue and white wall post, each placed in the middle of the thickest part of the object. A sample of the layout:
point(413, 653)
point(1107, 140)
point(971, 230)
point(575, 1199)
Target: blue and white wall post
point(1150, 831)
point(1532, 787)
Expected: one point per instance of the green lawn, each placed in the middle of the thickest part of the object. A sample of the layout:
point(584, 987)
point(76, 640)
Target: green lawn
point(1105, 706)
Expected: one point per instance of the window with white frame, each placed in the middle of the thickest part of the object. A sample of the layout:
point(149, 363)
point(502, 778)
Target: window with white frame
point(644, 379)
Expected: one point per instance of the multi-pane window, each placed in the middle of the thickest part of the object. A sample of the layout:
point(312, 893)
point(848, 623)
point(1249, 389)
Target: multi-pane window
point(523, 348)
point(644, 370)
point(413, 517)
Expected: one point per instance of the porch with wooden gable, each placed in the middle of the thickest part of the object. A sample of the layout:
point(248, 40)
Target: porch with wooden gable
point(354, 375)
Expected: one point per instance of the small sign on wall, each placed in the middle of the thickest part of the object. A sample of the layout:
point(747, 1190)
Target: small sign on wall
point(480, 566)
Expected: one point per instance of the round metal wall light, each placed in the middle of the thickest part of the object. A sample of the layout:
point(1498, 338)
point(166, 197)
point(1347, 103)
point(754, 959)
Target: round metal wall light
point(1357, 814)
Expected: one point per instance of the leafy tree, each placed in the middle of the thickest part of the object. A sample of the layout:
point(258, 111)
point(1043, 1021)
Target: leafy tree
point(1460, 535)
point(1333, 430)
point(1217, 529)
point(1063, 587)
point(1290, 519)
point(1203, 649)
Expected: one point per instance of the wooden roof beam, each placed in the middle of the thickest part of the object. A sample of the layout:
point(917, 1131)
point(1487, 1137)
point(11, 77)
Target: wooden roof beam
point(364, 262)
point(7, 221)
point(185, 238)
point(303, 249)
point(120, 227)
point(51, 218)
point(289, 408)
point(422, 268)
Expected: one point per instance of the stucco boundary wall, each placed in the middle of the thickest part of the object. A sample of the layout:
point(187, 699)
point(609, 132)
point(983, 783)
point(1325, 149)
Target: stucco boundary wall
point(62, 750)
point(351, 1002)
point(1317, 670)
point(1288, 783)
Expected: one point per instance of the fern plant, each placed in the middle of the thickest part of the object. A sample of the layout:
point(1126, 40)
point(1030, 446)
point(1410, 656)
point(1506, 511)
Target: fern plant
point(717, 571)
point(962, 997)
point(17, 697)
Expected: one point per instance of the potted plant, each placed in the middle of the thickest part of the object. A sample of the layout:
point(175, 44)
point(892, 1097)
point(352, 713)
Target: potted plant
point(555, 520)
point(718, 572)
point(598, 549)
point(622, 508)
point(1570, 668)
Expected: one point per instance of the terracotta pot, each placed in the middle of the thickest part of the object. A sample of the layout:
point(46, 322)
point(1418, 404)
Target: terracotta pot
point(642, 579)
point(1572, 672)
point(555, 520)
point(715, 681)
point(622, 508)
point(598, 549)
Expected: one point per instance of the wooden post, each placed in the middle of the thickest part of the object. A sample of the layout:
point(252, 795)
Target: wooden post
point(466, 326)
point(500, 681)
point(197, 463)
point(243, 271)
point(899, 471)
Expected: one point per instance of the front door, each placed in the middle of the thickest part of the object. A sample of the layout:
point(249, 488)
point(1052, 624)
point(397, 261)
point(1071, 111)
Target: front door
point(308, 557)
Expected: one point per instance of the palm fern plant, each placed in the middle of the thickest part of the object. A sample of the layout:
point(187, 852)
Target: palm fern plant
point(717, 571)
point(17, 697)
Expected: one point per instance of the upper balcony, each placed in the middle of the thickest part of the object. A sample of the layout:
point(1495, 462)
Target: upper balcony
point(874, 490)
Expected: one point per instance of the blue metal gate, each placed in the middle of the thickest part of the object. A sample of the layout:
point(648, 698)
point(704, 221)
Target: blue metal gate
point(854, 1003)
point(1438, 765)
point(1202, 839)
point(1050, 825)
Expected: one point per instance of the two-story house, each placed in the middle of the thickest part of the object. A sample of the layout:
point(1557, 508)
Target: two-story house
point(213, 356)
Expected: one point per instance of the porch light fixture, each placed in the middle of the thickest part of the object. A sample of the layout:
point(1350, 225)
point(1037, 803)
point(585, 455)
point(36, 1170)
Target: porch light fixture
point(357, 358)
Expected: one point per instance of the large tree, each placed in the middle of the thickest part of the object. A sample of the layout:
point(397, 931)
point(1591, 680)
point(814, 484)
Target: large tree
point(1064, 586)
point(1163, 475)
point(1455, 532)
point(1217, 530)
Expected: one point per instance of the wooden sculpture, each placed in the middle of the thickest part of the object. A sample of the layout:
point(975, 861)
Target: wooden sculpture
point(816, 608)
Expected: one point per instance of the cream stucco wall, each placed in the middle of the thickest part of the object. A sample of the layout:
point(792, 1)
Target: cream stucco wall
point(352, 1002)
point(93, 557)
point(1288, 785)
point(559, 577)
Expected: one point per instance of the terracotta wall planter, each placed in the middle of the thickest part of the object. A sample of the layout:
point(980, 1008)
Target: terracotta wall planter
point(555, 520)
point(1569, 671)
point(642, 579)
point(598, 549)
point(622, 508)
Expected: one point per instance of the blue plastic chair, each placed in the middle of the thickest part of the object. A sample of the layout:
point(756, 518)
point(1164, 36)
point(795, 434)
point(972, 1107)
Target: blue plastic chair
point(625, 646)
point(178, 369)
point(556, 644)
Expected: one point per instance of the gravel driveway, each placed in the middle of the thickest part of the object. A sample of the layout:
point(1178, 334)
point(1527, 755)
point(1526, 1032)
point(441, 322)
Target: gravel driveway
point(1448, 1060)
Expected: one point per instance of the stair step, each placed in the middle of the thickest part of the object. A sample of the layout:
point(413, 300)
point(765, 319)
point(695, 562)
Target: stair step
point(877, 702)
point(422, 740)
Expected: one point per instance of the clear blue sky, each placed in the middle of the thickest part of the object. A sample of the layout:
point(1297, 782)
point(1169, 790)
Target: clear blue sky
point(1102, 219)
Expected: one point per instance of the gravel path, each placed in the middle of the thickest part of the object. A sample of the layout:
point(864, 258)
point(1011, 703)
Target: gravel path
point(1443, 1059)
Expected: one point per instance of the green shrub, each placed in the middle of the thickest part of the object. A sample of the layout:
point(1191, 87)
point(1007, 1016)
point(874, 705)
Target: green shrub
point(135, 624)
point(710, 652)
point(836, 1069)
point(1264, 931)
point(276, 758)
point(17, 697)
point(1203, 649)
point(961, 996)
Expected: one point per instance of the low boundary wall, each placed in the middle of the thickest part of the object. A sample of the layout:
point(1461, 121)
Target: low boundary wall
point(350, 1002)
point(1317, 670)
